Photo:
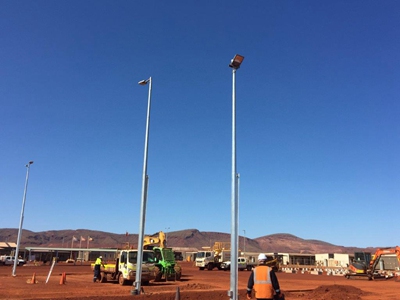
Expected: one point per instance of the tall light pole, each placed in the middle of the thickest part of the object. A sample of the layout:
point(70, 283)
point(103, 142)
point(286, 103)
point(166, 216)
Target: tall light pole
point(145, 180)
point(28, 165)
point(166, 236)
point(233, 292)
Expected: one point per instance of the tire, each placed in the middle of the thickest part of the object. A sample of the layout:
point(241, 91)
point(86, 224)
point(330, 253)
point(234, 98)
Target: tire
point(145, 283)
point(248, 268)
point(121, 279)
point(158, 274)
point(210, 267)
point(201, 268)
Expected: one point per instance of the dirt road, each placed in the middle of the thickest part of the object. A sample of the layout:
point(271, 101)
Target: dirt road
point(195, 284)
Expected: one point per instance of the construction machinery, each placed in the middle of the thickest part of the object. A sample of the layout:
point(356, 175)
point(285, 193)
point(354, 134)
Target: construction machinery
point(360, 264)
point(211, 258)
point(124, 268)
point(166, 266)
point(387, 258)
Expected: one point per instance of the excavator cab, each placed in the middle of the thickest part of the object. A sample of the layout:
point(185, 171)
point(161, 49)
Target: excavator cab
point(361, 262)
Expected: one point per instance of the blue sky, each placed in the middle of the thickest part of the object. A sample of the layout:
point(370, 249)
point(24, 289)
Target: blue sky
point(318, 135)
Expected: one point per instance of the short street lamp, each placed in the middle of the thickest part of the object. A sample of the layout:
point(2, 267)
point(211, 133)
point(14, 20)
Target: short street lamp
point(145, 180)
point(235, 64)
point(28, 165)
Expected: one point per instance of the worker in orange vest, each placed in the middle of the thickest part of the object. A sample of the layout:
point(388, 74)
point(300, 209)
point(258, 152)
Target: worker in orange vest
point(264, 281)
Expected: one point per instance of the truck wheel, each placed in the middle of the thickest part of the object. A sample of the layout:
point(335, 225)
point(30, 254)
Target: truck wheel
point(121, 279)
point(158, 274)
point(103, 277)
point(210, 267)
point(201, 268)
point(248, 268)
point(145, 283)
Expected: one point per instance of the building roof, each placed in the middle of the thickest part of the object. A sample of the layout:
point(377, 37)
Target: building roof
point(7, 245)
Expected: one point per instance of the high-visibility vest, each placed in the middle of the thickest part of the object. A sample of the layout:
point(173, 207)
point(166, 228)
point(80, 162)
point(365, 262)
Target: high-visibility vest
point(98, 261)
point(262, 283)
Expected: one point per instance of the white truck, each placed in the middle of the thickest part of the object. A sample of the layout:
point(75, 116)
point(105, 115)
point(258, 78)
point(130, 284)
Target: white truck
point(8, 260)
point(243, 264)
point(124, 268)
point(213, 258)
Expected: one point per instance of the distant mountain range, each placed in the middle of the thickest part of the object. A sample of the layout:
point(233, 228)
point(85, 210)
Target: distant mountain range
point(193, 238)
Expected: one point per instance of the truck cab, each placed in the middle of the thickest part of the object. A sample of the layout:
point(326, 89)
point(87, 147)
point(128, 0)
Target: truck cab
point(204, 258)
point(127, 266)
point(124, 268)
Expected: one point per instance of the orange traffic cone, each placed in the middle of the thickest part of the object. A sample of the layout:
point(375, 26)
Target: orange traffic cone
point(33, 280)
point(62, 279)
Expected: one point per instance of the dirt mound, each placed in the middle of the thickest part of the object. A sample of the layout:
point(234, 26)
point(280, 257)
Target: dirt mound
point(336, 292)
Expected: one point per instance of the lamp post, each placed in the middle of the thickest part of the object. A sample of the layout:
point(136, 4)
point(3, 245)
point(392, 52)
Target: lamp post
point(28, 165)
point(235, 64)
point(166, 236)
point(145, 180)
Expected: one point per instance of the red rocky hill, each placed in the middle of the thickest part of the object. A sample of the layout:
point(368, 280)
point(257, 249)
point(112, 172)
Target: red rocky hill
point(280, 242)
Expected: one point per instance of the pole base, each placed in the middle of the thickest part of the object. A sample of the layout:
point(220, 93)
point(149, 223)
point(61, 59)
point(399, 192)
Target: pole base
point(134, 292)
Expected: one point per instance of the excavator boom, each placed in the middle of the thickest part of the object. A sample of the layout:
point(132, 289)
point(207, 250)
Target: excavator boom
point(156, 240)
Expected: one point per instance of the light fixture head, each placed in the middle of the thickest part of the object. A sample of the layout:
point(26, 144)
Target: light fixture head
point(236, 61)
point(143, 82)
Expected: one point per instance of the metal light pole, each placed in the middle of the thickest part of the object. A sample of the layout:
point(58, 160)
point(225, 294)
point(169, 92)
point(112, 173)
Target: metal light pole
point(166, 236)
point(28, 165)
point(145, 180)
point(233, 292)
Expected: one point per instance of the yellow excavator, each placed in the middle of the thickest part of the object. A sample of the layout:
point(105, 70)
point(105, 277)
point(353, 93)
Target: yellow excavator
point(155, 240)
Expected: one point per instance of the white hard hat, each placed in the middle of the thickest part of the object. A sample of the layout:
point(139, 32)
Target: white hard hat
point(100, 256)
point(262, 256)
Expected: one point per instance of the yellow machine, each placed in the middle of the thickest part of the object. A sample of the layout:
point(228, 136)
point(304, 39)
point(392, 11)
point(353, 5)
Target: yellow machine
point(152, 241)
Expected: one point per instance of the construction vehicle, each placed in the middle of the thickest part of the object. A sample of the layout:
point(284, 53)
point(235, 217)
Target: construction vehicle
point(360, 264)
point(368, 268)
point(245, 263)
point(166, 267)
point(9, 260)
point(211, 258)
point(124, 268)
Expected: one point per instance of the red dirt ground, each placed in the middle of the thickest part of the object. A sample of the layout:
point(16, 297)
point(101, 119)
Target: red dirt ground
point(195, 284)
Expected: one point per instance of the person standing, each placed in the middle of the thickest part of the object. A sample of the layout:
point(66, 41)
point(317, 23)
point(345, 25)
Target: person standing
point(264, 281)
point(98, 263)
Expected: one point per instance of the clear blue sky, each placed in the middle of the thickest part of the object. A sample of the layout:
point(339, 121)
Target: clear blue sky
point(318, 134)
